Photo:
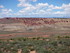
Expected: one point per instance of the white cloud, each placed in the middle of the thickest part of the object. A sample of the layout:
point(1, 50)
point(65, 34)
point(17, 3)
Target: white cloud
point(65, 6)
point(34, 0)
point(49, 10)
point(51, 6)
point(1, 6)
point(41, 9)
point(58, 12)
point(5, 12)
point(42, 4)
point(31, 8)
point(27, 0)
point(25, 3)
point(56, 7)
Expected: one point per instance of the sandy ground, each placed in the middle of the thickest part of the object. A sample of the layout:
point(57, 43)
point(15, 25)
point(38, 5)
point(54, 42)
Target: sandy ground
point(34, 34)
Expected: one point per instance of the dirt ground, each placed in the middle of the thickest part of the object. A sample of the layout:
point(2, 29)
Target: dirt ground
point(33, 34)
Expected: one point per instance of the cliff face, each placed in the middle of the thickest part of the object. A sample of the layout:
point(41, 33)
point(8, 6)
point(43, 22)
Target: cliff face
point(27, 24)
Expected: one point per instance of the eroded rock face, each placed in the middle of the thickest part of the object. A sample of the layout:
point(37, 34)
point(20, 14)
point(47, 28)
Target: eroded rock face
point(23, 24)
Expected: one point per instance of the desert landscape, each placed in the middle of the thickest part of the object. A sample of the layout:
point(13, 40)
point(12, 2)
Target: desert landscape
point(34, 35)
point(32, 27)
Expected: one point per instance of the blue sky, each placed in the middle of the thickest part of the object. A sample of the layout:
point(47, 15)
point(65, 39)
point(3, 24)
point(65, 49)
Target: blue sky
point(34, 8)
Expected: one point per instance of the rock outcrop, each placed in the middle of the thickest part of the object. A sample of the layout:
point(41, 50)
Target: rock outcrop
point(25, 24)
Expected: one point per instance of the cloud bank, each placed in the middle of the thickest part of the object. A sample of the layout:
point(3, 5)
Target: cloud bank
point(37, 10)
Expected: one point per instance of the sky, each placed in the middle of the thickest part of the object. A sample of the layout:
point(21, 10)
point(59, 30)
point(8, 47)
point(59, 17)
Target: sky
point(35, 8)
